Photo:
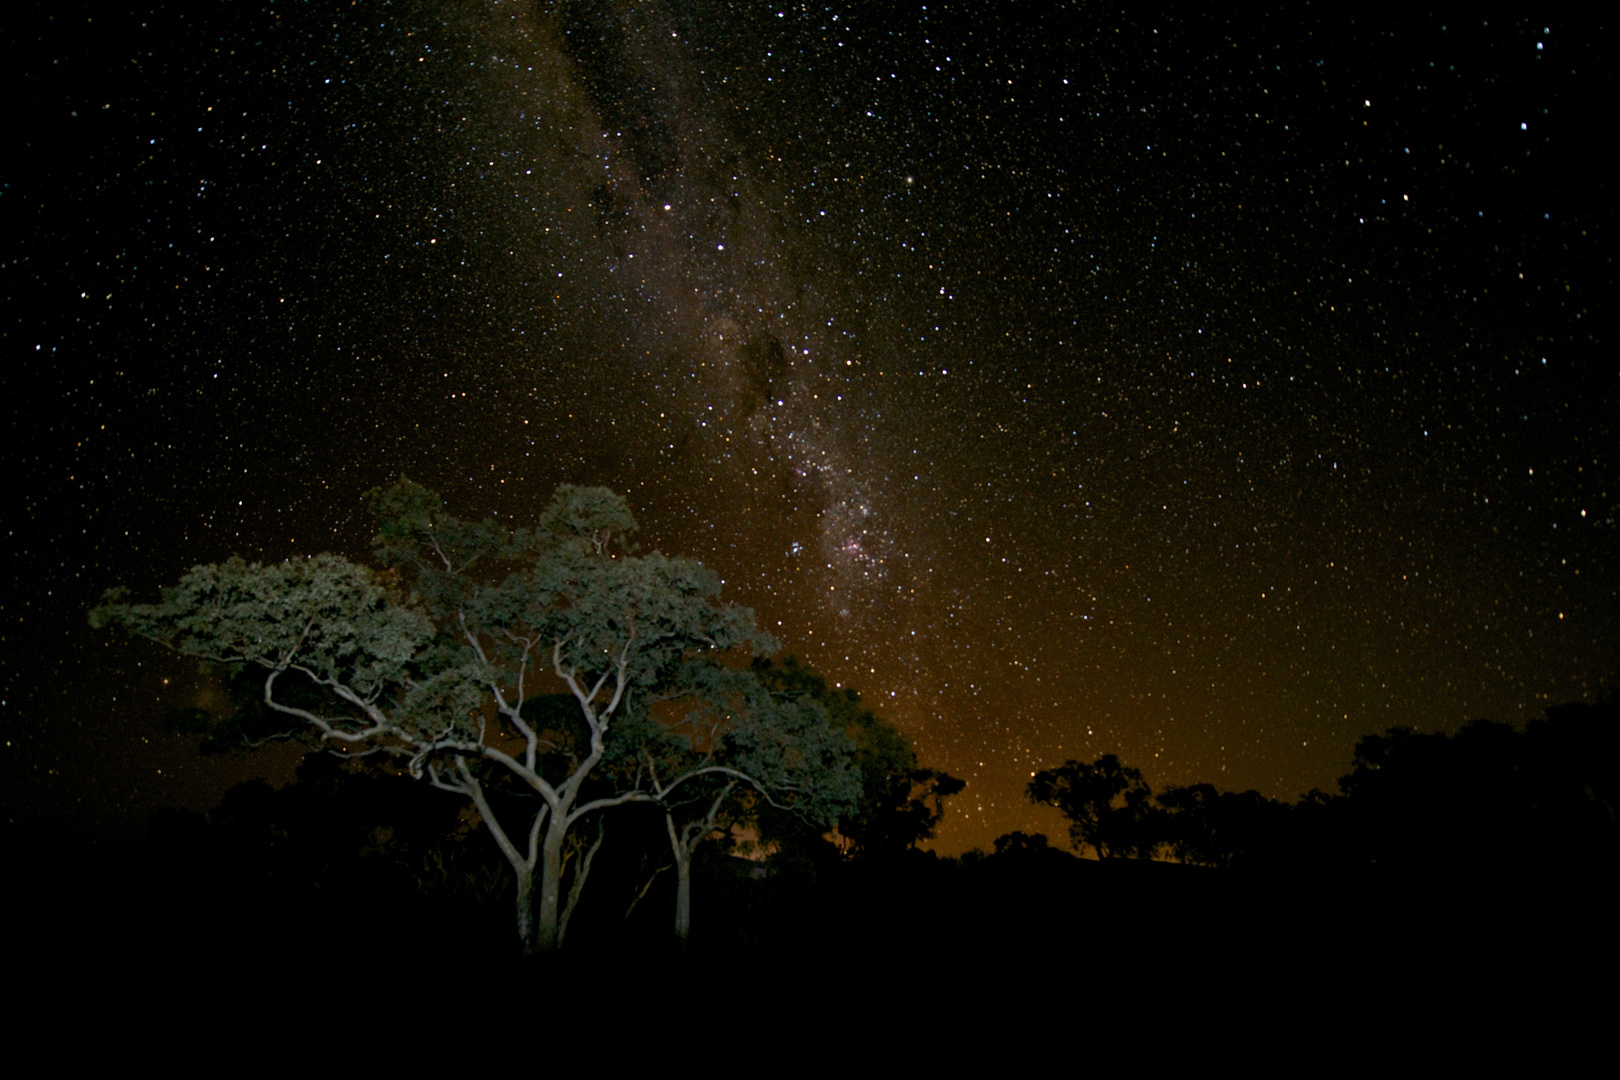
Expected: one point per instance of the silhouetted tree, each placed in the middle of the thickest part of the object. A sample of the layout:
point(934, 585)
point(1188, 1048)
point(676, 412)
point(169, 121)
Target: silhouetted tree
point(1576, 782)
point(1109, 806)
point(1206, 827)
point(431, 660)
point(345, 837)
point(1430, 800)
point(1420, 800)
point(1019, 842)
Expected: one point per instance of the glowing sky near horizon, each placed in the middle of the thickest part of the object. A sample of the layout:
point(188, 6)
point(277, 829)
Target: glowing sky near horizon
point(1207, 391)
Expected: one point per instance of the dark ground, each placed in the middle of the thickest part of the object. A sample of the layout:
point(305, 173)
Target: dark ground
point(917, 927)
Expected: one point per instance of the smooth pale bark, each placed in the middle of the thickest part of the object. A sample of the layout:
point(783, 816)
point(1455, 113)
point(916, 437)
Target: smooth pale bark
point(577, 886)
point(550, 907)
point(522, 866)
point(682, 843)
point(542, 920)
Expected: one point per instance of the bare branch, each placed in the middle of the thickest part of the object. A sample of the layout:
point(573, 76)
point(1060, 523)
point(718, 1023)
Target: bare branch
point(437, 780)
point(569, 676)
point(694, 832)
point(578, 885)
point(326, 726)
point(534, 834)
point(603, 804)
point(598, 687)
point(644, 889)
point(515, 715)
point(476, 790)
point(623, 665)
point(722, 770)
point(364, 703)
point(433, 541)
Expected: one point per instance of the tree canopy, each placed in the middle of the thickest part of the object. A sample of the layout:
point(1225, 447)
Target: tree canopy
point(901, 802)
point(433, 656)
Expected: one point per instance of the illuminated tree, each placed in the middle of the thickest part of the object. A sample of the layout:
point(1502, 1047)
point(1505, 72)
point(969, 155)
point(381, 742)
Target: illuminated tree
point(431, 659)
point(901, 803)
point(737, 748)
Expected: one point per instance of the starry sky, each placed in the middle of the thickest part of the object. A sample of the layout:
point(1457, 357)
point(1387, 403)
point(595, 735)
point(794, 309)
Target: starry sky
point(1211, 390)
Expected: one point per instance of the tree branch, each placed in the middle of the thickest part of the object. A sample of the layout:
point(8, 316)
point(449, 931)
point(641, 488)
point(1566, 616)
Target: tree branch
point(325, 725)
point(644, 889)
point(578, 884)
point(433, 540)
point(476, 790)
point(513, 714)
point(606, 803)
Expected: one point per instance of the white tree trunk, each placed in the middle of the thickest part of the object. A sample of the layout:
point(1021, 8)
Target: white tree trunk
point(549, 908)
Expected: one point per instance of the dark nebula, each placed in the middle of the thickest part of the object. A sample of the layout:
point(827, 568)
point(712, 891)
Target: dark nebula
point(1208, 390)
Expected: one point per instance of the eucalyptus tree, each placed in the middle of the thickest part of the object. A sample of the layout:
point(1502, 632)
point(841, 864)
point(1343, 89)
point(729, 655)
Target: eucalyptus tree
point(431, 658)
point(900, 803)
point(733, 746)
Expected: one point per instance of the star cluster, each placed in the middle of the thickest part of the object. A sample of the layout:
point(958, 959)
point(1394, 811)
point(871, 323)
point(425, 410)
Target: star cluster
point(1210, 390)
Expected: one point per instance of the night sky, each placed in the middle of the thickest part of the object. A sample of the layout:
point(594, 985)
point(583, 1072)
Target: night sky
point(1208, 390)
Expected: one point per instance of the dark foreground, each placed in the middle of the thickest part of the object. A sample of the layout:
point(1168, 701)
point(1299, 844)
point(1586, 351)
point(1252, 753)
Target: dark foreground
point(920, 927)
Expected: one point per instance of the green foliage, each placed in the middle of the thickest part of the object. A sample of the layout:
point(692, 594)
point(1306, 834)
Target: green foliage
point(784, 742)
point(323, 619)
point(593, 519)
point(436, 657)
point(901, 803)
point(725, 727)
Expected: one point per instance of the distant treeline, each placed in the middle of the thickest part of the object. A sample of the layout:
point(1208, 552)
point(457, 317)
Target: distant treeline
point(1493, 817)
point(1412, 801)
point(348, 837)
